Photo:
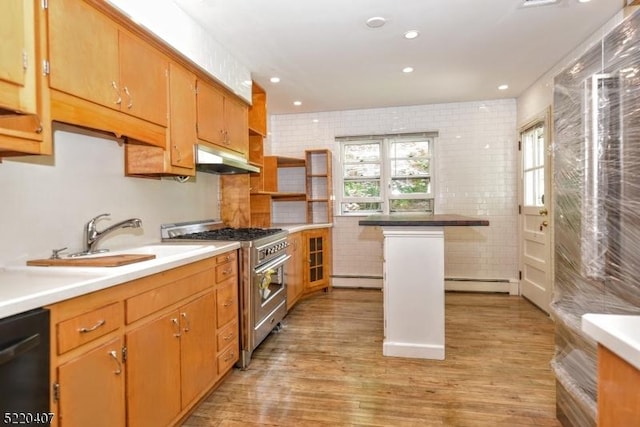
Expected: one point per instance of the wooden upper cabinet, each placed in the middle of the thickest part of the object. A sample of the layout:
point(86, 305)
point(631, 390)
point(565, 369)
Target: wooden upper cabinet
point(12, 50)
point(210, 103)
point(222, 120)
point(143, 76)
point(93, 59)
point(236, 121)
point(183, 116)
point(25, 127)
point(83, 48)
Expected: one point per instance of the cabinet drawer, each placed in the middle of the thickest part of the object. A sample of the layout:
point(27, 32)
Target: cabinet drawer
point(228, 335)
point(86, 327)
point(151, 301)
point(227, 257)
point(226, 302)
point(227, 359)
point(225, 271)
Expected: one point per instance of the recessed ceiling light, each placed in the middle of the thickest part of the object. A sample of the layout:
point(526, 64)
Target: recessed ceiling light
point(376, 22)
point(315, 120)
point(503, 87)
point(411, 34)
point(274, 79)
point(297, 103)
point(584, 1)
point(407, 70)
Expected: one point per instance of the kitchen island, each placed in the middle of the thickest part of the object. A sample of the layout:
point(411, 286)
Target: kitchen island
point(414, 281)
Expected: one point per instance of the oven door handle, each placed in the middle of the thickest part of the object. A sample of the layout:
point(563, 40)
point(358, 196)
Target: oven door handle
point(272, 264)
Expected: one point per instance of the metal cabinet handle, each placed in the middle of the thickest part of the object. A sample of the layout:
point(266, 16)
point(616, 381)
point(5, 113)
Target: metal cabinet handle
point(178, 152)
point(227, 271)
point(126, 91)
point(228, 337)
point(115, 87)
point(176, 324)
point(114, 355)
point(230, 356)
point(100, 323)
point(228, 303)
point(186, 321)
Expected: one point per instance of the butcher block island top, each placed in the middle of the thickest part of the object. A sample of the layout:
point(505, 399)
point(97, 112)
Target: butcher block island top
point(414, 281)
point(423, 220)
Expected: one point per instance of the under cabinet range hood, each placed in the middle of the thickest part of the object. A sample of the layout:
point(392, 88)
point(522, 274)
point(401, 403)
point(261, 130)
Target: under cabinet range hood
point(210, 160)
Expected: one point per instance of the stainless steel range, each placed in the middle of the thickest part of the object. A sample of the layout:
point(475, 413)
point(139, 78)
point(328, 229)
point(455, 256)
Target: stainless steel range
point(263, 255)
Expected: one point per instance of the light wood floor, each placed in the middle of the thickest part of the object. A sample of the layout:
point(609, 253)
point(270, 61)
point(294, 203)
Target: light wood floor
point(325, 368)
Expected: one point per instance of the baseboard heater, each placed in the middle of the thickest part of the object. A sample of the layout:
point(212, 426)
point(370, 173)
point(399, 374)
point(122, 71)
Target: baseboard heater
point(461, 284)
point(466, 284)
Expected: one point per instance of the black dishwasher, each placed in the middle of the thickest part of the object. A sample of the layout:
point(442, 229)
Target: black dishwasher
point(24, 368)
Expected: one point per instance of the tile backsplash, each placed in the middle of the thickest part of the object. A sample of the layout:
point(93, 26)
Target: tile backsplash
point(476, 174)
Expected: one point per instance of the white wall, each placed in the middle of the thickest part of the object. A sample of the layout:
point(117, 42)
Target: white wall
point(540, 95)
point(47, 200)
point(476, 175)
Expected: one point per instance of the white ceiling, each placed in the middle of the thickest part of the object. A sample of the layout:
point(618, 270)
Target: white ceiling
point(328, 58)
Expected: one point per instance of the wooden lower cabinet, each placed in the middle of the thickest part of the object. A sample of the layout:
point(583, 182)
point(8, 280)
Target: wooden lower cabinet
point(143, 353)
point(153, 374)
point(309, 268)
point(618, 395)
point(171, 361)
point(198, 347)
point(317, 257)
point(293, 270)
point(94, 387)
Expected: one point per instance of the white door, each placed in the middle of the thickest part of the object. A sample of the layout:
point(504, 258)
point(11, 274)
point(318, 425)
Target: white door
point(535, 208)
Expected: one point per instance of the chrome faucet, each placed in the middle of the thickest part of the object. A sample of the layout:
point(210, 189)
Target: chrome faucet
point(93, 236)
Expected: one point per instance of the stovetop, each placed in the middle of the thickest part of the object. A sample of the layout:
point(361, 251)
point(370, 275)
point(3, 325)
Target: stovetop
point(228, 233)
point(216, 230)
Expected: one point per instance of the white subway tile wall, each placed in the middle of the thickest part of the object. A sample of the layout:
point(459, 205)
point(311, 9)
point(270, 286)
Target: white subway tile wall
point(476, 174)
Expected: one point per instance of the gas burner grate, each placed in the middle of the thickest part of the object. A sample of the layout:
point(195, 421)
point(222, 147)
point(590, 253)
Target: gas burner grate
point(229, 233)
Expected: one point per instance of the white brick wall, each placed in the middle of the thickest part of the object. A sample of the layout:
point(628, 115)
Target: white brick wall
point(476, 174)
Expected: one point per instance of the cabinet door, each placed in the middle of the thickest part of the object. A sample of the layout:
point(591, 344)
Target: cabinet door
point(210, 114)
point(143, 80)
point(198, 367)
point(153, 372)
point(293, 270)
point(83, 49)
point(92, 388)
point(316, 252)
point(14, 30)
point(236, 119)
point(183, 116)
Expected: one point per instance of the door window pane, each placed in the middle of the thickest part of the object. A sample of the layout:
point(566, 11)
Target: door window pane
point(533, 153)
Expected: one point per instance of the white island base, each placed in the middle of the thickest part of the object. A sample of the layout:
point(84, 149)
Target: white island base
point(414, 292)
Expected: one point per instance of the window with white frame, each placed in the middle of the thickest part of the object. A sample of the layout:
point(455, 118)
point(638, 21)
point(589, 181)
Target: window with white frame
point(386, 174)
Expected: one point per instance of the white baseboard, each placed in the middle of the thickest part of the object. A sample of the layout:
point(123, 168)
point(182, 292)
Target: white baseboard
point(357, 282)
point(511, 286)
point(416, 351)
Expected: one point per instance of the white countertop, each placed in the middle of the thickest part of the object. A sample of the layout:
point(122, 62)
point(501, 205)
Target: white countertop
point(619, 333)
point(24, 288)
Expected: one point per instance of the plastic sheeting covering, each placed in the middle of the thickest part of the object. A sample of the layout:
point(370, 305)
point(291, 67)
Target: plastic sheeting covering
point(596, 196)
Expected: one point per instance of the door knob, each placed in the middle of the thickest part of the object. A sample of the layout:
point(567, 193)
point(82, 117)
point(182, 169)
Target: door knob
point(545, 223)
point(543, 211)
